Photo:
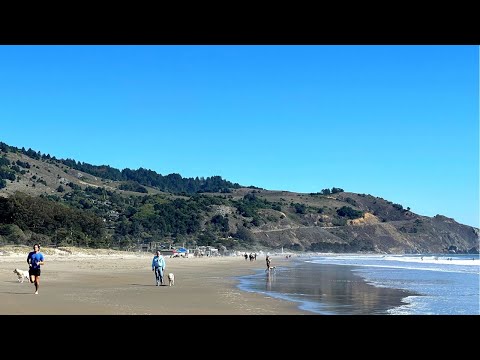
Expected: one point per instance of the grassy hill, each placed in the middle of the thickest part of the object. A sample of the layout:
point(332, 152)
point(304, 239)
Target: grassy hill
point(44, 199)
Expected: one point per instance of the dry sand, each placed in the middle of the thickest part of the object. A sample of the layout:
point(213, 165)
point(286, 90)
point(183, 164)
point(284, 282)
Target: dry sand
point(86, 282)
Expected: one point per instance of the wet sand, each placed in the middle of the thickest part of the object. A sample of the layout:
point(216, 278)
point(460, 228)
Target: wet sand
point(326, 289)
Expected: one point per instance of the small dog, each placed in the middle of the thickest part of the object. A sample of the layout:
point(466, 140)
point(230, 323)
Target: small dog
point(271, 268)
point(171, 279)
point(22, 275)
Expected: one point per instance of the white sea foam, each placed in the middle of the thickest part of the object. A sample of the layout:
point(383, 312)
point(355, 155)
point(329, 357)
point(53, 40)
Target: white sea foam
point(465, 260)
point(445, 284)
point(442, 263)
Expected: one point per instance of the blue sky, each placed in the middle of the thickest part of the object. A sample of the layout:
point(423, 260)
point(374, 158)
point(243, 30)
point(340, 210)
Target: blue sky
point(398, 122)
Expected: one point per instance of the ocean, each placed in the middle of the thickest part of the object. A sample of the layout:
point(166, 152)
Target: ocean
point(338, 284)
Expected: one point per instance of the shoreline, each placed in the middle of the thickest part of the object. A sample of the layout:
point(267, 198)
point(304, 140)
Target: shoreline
point(109, 282)
point(327, 289)
point(112, 282)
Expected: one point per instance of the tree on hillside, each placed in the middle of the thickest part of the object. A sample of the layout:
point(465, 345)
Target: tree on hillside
point(4, 161)
point(397, 206)
point(300, 208)
point(220, 223)
point(244, 234)
point(346, 211)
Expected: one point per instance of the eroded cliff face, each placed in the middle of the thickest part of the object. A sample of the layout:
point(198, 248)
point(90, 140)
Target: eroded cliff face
point(422, 235)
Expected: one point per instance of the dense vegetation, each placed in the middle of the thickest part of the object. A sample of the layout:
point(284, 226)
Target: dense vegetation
point(173, 183)
point(48, 221)
point(98, 217)
point(47, 202)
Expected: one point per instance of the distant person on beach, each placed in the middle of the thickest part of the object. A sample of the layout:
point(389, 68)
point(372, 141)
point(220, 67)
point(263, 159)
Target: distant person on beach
point(34, 260)
point(158, 265)
point(269, 261)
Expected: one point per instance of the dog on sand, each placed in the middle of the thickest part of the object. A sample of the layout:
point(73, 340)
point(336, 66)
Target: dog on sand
point(22, 275)
point(171, 279)
point(271, 268)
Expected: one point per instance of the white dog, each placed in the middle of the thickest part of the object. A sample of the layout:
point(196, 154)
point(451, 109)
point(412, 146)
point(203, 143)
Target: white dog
point(171, 279)
point(271, 268)
point(22, 275)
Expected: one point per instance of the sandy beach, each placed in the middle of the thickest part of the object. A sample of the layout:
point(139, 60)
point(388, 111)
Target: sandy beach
point(103, 282)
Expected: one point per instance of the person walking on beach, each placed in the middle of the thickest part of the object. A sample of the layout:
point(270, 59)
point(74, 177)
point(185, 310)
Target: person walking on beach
point(269, 261)
point(158, 265)
point(34, 260)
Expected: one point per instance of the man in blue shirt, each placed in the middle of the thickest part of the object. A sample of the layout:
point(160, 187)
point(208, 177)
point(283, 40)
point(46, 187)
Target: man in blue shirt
point(158, 265)
point(34, 260)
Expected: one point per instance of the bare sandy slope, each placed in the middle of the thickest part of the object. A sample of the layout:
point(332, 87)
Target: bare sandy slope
point(116, 283)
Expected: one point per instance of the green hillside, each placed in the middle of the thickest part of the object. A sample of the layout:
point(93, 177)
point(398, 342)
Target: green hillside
point(64, 202)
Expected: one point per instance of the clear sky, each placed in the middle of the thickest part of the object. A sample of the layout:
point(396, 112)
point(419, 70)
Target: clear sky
point(398, 122)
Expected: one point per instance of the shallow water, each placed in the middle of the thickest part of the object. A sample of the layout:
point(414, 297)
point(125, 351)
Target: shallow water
point(376, 284)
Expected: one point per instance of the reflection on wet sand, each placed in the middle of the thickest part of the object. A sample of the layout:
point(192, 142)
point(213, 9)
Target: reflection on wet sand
point(333, 289)
point(269, 280)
